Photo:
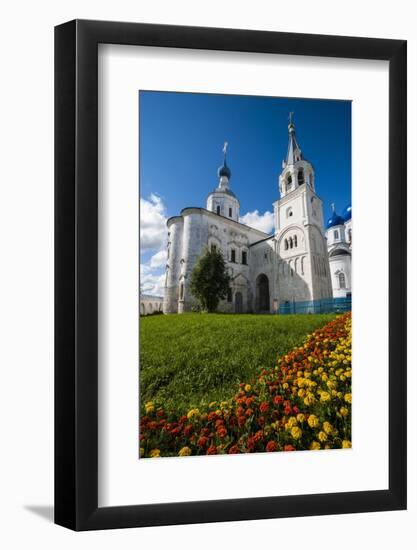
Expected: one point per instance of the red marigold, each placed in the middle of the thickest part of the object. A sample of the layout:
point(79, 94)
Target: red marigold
point(234, 450)
point(212, 450)
point(271, 446)
point(289, 448)
point(264, 407)
point(222, 432)
point(277, 399)
point(188, 429)
point(241, 420)
point(202, 441)
point(212, 416)
point(258, 436)
point(251, 443)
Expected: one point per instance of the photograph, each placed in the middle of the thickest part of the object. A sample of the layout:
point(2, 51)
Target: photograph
point(245, 276)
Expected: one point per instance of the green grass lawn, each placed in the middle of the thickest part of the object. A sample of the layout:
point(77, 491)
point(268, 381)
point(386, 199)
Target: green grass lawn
point(190, 359)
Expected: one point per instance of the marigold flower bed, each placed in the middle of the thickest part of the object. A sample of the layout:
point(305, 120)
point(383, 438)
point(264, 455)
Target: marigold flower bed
point(302, 403)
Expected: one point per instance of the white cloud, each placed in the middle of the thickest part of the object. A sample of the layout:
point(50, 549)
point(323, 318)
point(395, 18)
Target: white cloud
point(153, 229)
point(153, 240)
point(159, 259)
point(263, 222)
point(151, 283)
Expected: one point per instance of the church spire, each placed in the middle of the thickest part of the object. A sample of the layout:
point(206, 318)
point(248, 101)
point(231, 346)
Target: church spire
point(224, 173)
point(294, 151)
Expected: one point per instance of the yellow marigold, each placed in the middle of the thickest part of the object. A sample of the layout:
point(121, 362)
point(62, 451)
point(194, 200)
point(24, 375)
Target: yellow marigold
point(300, 417)
point(348, 397)
point(322, 436)
point(192, 413)
point(315, 446)
point(325, 396)
point(301, 392)
point(346, 444)
point(142, 452)
point(185, 451)
point(248, 387)
point(327, 427)
point(313, 421)
point(155, 453)
point(296, 432)
point(285, 385)
point(212, 404)
point(344, 411)
point(309, 399)
point(149, 407)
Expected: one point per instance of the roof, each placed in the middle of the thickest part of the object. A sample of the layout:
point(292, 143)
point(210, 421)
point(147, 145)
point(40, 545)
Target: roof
point(223, 217)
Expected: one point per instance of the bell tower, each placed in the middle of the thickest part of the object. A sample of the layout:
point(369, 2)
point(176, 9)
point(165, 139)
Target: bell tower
point(299, 228)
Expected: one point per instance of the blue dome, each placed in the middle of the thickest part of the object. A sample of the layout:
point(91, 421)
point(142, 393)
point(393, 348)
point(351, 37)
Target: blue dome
point(224, 170)
point(347, 213)
point(334, 220)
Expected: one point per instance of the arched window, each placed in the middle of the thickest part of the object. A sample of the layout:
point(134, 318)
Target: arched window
point(229, 294)
point(244, 257)
point(233, 255)
point(300, 176)
point(182, 291)
point(218, 210)
point(295, 240)
point(302, 265)
point(286, 244)
point(289, 212)
point(288, 182)
point(336, 234)
point(290, 240)
point(342, 280)
point(230, 212)
point(213, 247)
point(350, 235)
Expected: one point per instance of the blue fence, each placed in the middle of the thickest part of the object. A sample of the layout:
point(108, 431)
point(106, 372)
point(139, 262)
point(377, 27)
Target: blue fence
point(328, 305)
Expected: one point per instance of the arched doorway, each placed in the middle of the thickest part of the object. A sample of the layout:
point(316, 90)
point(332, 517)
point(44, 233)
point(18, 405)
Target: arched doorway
point(262, 293)
point(238, 302)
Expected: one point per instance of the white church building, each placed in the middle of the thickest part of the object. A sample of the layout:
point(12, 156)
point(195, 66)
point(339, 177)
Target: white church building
point(267, 271)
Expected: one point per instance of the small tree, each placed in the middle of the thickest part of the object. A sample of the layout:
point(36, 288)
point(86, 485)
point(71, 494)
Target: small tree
point(209, 281)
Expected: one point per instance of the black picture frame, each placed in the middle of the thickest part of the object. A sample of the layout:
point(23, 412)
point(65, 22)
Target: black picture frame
point(76, 273)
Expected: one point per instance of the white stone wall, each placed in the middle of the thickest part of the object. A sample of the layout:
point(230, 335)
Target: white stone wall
point(340, 258)
point(150, 304)
point(338, 265)
point(199, 229)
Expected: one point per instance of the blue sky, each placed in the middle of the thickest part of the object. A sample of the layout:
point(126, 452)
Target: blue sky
point(181, 140)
